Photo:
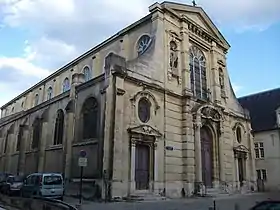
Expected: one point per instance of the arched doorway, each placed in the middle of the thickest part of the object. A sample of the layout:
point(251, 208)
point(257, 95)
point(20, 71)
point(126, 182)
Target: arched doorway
point(206, 155)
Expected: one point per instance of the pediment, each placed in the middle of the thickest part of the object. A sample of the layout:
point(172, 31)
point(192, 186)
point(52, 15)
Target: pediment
point(145, 130)
point(197, 16)
point(241, 148)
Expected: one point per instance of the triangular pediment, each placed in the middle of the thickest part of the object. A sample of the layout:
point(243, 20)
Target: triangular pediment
point(145, 130)
point(197, 16)
point(241, 148)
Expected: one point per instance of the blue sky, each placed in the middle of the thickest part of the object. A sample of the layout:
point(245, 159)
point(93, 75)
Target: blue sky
point(34, 44)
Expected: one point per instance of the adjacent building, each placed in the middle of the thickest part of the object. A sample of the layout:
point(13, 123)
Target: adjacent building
point(264, 110)
point(152, 106)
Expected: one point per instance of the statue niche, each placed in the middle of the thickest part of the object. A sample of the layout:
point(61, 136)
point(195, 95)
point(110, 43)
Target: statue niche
point(173, 61)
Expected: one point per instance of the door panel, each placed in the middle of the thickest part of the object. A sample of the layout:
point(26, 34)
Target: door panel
point(206, 156)
point(142, 167)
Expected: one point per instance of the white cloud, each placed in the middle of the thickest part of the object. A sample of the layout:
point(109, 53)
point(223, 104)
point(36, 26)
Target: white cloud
point(62, 29)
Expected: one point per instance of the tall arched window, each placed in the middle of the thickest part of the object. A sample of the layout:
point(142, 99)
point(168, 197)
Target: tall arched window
point(59, 127)
point(90, 118)
point(238, 134)
point(37, 128)
point(87, 73)
point(36, 100)
point(66, 85)
point(49, 93)
point(198, 73)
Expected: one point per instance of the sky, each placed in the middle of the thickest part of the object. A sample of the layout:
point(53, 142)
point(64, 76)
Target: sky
point(38, 36)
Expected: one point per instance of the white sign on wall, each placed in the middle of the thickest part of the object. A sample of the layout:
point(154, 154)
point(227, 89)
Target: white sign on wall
point(82, 162)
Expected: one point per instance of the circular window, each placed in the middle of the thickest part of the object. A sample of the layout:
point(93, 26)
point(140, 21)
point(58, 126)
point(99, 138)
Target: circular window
point(143, 44)
point(238, 134)
point(144, 110)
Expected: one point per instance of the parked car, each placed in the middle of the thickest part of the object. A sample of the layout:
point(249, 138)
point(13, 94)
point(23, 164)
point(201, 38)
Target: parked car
point(267, 205)
point(12, 185)
point(49, 185)
point(3, 178)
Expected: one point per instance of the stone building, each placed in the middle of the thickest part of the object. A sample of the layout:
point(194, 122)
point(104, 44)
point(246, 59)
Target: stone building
point(264, 111)
point(153, 107)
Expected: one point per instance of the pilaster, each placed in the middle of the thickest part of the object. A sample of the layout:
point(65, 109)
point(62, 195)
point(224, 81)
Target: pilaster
point(43, 142)
point(214, 71)
point(185, 60)
point(197, 144)
point(221, 153)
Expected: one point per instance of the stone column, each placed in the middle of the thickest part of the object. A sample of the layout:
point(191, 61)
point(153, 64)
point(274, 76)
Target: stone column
point(236, 172)
point(221, 153)
point(216, 90)
point(22, 150)
point(155, 164)
point(185, 60)
point(70, 122)
point(132, 166)
point(197, 145)
point(43, 142)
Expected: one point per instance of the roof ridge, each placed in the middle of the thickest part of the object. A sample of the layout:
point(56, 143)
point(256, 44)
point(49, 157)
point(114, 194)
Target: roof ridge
point(259, 93)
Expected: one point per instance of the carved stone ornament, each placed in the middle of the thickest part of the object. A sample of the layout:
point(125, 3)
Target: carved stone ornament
point(221, 79)
point(145, 130)
point(211, 113)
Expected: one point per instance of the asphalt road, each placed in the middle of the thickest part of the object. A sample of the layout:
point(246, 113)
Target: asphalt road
point(244, 202)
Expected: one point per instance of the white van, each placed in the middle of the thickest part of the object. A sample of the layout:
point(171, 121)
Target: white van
point(48, 185)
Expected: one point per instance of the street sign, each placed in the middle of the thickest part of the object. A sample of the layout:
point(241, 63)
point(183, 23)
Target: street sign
point(83, 153)
point(82, 162)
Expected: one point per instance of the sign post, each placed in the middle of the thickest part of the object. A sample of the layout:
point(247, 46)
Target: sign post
point(82, 162)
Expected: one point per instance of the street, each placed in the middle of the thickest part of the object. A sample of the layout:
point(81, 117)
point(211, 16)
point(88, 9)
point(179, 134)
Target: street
point(222, 203)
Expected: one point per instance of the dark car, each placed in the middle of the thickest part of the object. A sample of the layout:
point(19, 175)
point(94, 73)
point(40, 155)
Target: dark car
point(12, 185)
point(267, 205)
point(3, 179)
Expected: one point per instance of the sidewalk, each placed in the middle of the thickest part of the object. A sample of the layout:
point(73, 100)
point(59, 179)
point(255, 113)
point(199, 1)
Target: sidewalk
point(197, 202)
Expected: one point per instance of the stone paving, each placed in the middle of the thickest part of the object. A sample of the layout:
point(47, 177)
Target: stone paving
point(222, 203)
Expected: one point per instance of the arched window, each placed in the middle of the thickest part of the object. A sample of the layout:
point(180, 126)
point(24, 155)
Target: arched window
point(90, 118)
point(238, 134)
point(49, 93)
point(19, 137)
point(87, 73)
point(37, 128)
point(13, 109)
point(144, 110)
point(36, 99)
point(59, 127)
point(198, 73)
point(66, 85)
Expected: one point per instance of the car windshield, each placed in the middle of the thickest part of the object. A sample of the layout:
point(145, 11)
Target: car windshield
point(15, 179)
point(52, 180)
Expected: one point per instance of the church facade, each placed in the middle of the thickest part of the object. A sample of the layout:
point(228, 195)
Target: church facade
point(152, 106)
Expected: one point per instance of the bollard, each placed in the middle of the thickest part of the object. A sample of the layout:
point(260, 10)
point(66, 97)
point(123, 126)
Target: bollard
point(236, 206)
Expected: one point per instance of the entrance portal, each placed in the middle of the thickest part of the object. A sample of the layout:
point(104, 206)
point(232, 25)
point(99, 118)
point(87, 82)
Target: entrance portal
point(206, 156)
point(142, 166)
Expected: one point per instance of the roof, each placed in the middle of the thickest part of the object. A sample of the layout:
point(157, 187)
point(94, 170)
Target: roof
point(199, 10)
point(262, 107)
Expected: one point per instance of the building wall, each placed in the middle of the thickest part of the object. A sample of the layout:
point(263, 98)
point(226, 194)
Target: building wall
point(176, 115)
point(270, 161)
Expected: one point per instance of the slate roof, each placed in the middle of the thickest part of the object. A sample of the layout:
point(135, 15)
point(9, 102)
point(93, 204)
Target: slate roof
point(262, 107)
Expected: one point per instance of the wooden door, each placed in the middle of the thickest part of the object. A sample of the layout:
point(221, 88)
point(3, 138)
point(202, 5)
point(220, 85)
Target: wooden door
point(241, 171)
point(206, 156)
point(142, 167)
